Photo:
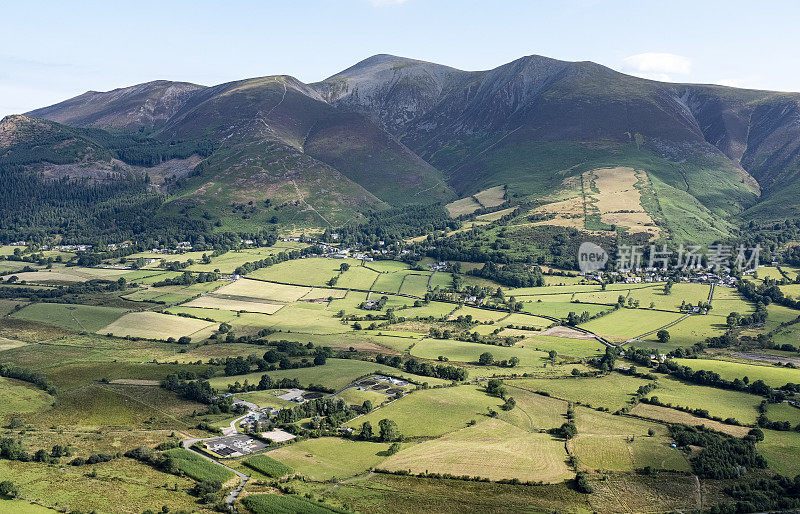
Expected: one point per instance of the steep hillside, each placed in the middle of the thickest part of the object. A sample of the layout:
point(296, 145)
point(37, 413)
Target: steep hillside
point(143, 106)
point(392, 131)
point(283, 110)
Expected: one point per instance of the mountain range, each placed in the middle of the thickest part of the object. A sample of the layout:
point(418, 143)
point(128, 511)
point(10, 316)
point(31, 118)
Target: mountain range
point(390, 132)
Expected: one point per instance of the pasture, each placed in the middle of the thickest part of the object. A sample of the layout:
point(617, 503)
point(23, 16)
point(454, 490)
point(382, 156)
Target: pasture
point(780, 450)
point(433, 412)
point(718, 402)
point(624, 324)
point(658, 413)
point(616, 443)
point(326, 458)
point(336, 373)
point(611, 391)
point(76, 317)
point(263, 290)
point(18, 397)
point(281, 504)
point(312, 271)
point(215, 302)
point(267, 466)
point(461, 351)
point(491, 449)
point(154, 325)
point(564, 346)
point(773, 376)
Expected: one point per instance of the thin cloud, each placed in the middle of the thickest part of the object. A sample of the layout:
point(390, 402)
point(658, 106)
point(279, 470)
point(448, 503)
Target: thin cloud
point(657, 66)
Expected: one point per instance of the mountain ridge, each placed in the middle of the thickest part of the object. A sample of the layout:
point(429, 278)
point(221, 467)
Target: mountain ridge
point(411, 131)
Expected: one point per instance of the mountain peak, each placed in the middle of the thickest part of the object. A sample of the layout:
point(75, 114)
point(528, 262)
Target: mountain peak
point(143, 105)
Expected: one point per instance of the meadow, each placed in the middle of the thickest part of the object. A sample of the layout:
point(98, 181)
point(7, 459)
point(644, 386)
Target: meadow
point(75, 317)
point(718, 402)
point(625, 324)
point(611, 391)
point(616, 443)
point(336, 373)
point(154, 325)
point(470, 352)
point(491, 449)
point(433, 412)
point(327, 458)
point(773, 376)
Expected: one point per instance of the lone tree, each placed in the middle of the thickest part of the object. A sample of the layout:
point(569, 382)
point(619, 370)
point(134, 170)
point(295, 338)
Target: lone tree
point(388, 430)
point(8, 489)
point(663, 336)
point(344, 267)
point(366, 431)
point(486, 359)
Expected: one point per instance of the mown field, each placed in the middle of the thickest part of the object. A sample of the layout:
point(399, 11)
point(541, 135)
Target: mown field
point(327, 458)
point(491, 449)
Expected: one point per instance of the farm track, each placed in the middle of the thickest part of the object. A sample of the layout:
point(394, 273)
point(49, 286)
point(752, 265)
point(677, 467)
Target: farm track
point(668, 325)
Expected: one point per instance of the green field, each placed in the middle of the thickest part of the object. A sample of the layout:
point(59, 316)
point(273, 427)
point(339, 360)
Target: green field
point(774, 376)
point(616, 443)
point(197, 467)
point(326, 458)
point(415, 284)
point(314, 271)
point(561, 307)
point(783, 412)
point(80, 318)
point(267, 466)
point(263, 290)
point(610, 391)
point(625, 324)
point(491, 449)
point(579, 348)
point(691, 330)
point(281, 504)
point(461, 351)
point(18, 397)
point(780, 450)
point(718, 402)
point(154, 325)
point(336, 373)
point(434, 412)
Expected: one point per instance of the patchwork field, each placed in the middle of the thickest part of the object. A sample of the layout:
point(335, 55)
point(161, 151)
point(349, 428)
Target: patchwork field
point(215, 302)
point(263, 290)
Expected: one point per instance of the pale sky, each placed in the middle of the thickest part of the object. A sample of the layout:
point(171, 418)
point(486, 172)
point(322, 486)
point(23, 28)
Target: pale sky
point(53, 50)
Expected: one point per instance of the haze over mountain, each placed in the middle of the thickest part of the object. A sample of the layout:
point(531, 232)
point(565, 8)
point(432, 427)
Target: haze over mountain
point(392, 131)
